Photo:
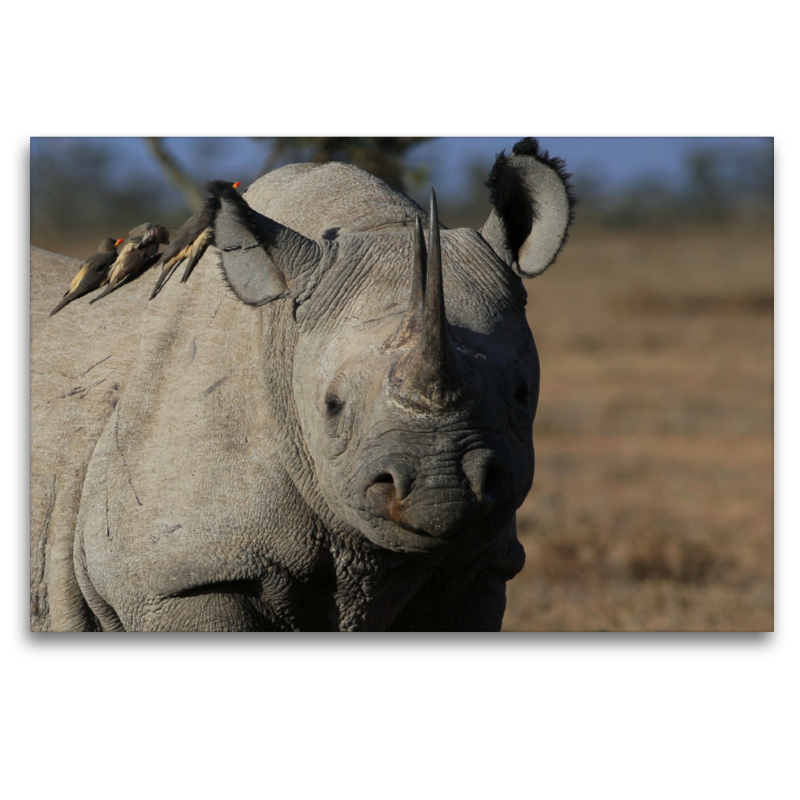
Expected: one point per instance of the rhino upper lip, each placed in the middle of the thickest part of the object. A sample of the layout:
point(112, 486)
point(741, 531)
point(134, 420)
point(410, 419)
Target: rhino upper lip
point(384, 502)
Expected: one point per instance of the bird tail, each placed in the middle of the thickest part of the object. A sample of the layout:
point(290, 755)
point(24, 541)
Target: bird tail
point(101, 295)
point(193, 259)
point(67, 299)
point(163, 278)
point(199, 248)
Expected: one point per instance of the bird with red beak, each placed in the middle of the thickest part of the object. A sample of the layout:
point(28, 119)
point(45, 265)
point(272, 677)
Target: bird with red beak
point(93, 273)
point(194, 236)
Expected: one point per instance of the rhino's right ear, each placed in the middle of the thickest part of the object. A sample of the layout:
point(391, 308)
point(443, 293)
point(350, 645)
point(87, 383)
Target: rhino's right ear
point(533, 208)
point(261, 259)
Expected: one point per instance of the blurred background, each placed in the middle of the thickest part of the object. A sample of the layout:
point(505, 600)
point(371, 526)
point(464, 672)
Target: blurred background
point(652, 506)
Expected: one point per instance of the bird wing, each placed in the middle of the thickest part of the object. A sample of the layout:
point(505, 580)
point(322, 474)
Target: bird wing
point(92, 275)
point(186, 234)
point(94, 268)
point(197, 249)
point(79, 276)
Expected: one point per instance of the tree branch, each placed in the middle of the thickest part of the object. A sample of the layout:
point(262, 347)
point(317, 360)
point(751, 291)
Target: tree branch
point(190, 189)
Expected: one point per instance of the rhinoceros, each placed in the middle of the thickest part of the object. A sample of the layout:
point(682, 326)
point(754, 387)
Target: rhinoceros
point(329, 427)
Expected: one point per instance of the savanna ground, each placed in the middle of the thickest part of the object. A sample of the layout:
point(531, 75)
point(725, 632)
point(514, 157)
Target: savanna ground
point(652, 505)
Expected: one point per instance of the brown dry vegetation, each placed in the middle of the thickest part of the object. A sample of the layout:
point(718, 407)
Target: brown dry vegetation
point(652, 506)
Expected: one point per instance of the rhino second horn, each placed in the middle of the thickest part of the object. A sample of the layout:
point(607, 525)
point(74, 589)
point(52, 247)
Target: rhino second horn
point(427, 375)
point(409, 328)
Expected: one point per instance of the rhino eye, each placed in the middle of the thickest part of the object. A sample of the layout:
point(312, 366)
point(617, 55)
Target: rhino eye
point(333, 405)
point(522, 394)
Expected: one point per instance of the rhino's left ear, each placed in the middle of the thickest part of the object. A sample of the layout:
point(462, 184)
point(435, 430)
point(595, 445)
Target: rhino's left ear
point(533, 208)
point(261, 259)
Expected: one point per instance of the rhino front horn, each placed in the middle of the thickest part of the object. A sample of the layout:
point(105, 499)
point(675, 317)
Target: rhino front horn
point(427, 375)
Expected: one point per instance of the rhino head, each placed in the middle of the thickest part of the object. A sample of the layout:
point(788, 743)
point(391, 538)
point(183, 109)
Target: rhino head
point(415, 376)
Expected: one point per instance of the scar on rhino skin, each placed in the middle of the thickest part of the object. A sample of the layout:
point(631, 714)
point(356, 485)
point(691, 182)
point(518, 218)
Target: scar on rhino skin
point(154, 537)
point(80, 391)
point(214, 386)
point(97, 364)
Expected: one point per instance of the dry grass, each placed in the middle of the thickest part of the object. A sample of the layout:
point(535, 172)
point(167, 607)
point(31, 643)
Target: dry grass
point(652, 507)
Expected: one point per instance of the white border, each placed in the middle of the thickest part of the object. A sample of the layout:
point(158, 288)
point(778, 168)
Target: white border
point(553, 715)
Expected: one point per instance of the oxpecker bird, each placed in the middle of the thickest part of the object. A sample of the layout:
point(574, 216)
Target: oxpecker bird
point(135, 255)
point(92, 274)
point(194, 236)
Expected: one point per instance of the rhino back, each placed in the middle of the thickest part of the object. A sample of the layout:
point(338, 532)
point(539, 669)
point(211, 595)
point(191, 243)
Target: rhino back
point(119, 376)
point(77, 374)
point(50, 276)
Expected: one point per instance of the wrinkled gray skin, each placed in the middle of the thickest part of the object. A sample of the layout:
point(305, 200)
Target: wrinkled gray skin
point(187, 472)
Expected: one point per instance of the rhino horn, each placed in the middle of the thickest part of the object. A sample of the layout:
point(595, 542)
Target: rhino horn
point(262, 259)
point(427, 374)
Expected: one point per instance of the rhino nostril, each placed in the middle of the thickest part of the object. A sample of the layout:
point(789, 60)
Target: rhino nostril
point(383, 500)
point(492, 483)
point(398, 479)
point(486, 477)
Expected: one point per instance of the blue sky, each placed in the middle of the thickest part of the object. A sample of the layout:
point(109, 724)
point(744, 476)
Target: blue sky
point(614, 161)
point(617, 160)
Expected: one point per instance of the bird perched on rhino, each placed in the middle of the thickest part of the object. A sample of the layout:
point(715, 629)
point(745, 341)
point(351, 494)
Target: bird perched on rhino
point(194, 236)
point(136, 255)
point(93, 273)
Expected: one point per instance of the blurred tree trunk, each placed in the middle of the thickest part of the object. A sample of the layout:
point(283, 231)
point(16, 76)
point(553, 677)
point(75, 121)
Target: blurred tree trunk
point(383, 156)
point(174, 172)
